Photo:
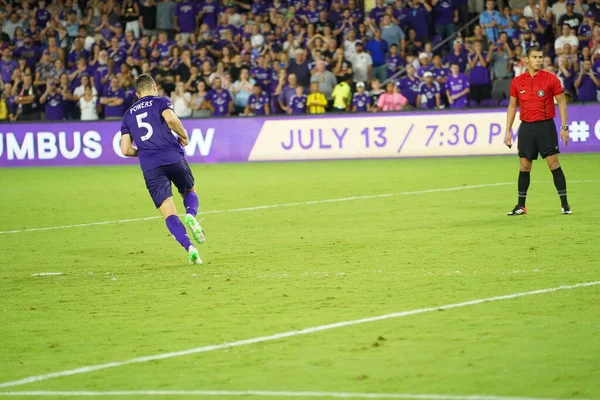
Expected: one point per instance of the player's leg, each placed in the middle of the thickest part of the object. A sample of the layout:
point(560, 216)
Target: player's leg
point(177, 229)
point(527, 153)
point(182, 178)
point(548, 144)
point(159, 187)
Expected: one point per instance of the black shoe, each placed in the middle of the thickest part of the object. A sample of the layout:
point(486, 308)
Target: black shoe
point(518, 210)
point(566, 209)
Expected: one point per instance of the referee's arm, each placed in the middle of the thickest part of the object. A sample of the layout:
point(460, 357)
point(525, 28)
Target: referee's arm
point(510, 119)
point(564, 121)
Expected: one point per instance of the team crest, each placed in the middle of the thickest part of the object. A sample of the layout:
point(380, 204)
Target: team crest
point(541, 93)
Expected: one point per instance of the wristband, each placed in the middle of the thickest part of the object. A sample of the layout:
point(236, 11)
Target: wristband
point(565, 127)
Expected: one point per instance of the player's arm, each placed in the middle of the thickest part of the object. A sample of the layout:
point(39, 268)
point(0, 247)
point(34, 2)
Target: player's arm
point(510, 119)
point(127, 146)
point(176, 126)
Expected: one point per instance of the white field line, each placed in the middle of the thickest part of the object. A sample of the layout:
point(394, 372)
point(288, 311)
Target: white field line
point(266, 207)
point(204, 349)
point(47, 274)
point(267, 393)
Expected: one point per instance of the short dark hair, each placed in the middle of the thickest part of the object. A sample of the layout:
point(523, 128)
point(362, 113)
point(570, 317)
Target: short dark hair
point(144, 82)
point(532, 49)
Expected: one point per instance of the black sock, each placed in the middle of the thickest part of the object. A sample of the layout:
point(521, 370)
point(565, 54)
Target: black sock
point(524, 177)
point(561, 185)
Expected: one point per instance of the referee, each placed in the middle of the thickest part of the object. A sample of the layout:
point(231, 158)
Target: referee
point(534, 92)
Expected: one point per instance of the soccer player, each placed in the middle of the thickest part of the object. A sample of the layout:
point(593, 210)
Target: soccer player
point(148, 123)
point(534, 92)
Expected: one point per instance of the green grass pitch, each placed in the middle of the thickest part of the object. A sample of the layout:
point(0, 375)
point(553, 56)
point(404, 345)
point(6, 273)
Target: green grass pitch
point(127, 291)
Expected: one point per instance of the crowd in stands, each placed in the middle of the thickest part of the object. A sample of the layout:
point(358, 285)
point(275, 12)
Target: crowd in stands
point(78, 60)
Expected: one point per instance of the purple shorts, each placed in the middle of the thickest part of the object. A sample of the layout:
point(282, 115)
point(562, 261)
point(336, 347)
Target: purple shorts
point(158, 180)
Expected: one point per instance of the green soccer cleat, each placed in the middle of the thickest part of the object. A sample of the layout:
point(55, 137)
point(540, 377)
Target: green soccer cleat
point(195, 227)
point(194, 255)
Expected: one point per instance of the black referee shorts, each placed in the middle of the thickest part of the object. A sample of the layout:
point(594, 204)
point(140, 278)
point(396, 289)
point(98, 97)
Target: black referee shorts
point(537, 137)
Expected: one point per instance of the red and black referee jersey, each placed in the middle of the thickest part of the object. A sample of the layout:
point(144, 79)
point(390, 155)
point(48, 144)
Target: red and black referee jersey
point(536, 95)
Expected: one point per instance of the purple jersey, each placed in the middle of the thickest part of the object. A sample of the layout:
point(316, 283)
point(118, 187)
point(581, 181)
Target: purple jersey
point(377, 14)
point(210, 9)
point(409, 88)
point(479, 74)
point(118, 56)
point(455, 85)
point(154, 140)
point(440, 73)
point(186, 16)
point(163, 48)
point(298, 104)
point(100, 73)
point(257, 104)
point(443, 12)
point(430, 93)
point(418, 20)
point(257, 8)
point(260, 75)
point(31, 54)
point(74, 55)
point(312, 16)
point(220, 101)
point(7, 68)
point(357, 15)
point(461, 59)
point(393, 62)
point(55, 107)
point(114, 111)
point(42, 16)
point(360, 101)
point(424, 69)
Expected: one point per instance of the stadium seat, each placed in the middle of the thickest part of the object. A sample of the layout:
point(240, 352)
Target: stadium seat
point(488, 103)
point(504, 102)
point(472, 104)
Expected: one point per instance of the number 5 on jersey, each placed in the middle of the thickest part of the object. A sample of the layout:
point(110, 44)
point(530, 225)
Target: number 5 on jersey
point(144, 125)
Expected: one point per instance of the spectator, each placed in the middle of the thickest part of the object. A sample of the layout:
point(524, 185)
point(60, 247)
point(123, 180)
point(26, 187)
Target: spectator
point(587, 83)
point(362, 65)
point(27, 98)
point(260, 73)
point(286, 92)
point(445, 16)
point(361, 101)
point(567, 37)
point(341, 66)
point(316, 101)
point(518, 62)
point(185, 19)
point(242, 90)
point(377, 12)
point(391, 100)
point(325, 79)
point(419, 20)
point(567, 78)
point(375, 92)
point(113, 99)
point(478, 36)
point(12, 24)
point(198, 103)
point(394, 62)
point(489, 20)
point(500, 57)
point(570, 17)
point(80, 90)
point(219, 100)
point(299, 67)
point(342, 95)
point(297, 104)
point(31, 53)
point(585, 30)
point(378, 50)
point(392, 34)
point(148, 13)
point(430, 91)
point(164, 16)
point(55, 108)
point(458, 55)
point(508, 22)
point(409, 86)
point(457, 88)
point(425, 65)
point(479, 77)
point(258, 102)
point(166, 76)
point(7, 65)
point(11, 104)
point(88, 105)
point(440, 74)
